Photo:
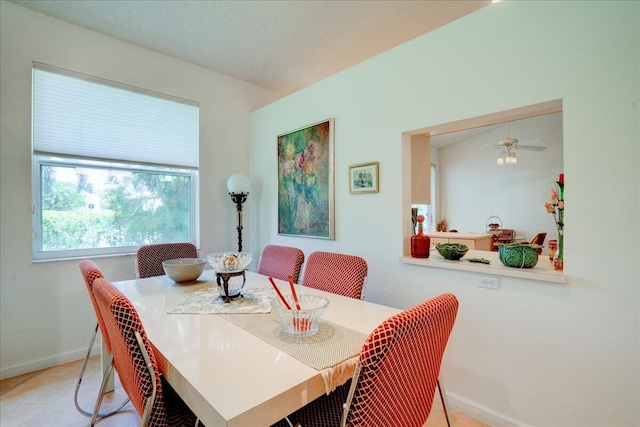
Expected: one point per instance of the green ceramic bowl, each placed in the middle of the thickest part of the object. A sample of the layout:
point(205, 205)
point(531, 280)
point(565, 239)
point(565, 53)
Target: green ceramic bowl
point(452, 251)
point(518, 255)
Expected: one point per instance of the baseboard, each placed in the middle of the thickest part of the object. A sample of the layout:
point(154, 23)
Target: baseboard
point(482, 413)
point(47, 362)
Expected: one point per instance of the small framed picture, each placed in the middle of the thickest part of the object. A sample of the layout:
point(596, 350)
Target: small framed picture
point(363, 178)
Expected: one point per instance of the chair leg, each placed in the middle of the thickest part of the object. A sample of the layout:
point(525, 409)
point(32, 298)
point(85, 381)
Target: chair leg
point(151, 399)
point(103, 386)
point(81, 377)
point(445, 404)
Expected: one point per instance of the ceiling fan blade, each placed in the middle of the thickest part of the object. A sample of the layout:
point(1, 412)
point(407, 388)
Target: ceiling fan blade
point(531, 147)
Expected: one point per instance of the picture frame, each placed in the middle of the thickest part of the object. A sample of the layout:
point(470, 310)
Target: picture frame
point(364, 178)
point(306, 181)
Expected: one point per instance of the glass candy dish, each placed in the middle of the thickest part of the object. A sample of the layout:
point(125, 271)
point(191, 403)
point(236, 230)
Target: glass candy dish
point(229, 268)
point(229, 262)
point(304, 322)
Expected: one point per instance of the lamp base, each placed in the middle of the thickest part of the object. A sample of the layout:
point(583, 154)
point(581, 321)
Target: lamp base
point(239, 199)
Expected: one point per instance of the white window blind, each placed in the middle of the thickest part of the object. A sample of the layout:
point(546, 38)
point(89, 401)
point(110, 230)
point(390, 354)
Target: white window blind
point(79, 115)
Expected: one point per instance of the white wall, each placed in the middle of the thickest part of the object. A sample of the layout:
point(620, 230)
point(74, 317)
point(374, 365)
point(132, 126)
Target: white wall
point(474, 188)
point(46, 315)
point(532, 353)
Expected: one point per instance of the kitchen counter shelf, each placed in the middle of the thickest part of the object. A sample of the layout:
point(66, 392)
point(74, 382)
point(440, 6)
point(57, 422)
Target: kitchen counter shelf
point(543, 271)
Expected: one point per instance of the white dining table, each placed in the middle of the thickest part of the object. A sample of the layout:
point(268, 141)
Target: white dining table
point(227, 375)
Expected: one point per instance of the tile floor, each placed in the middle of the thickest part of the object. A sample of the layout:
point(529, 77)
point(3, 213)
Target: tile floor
point(45, 398)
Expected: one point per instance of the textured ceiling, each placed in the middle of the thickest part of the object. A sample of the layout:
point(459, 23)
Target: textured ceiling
point(281, 45)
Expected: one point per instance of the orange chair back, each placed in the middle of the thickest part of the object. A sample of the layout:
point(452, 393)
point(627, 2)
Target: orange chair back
point(122, 321)
point(91, 272)
point(398, 370)
point(336, 273)
point(149, 258)
point(281, 262)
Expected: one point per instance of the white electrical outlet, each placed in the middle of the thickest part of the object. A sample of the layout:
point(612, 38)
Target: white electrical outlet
point(489, 283)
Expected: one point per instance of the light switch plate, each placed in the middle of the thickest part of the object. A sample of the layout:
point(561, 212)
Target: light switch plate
point(489, 283)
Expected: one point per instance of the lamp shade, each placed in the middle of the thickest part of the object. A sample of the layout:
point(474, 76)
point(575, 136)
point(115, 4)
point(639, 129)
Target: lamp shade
point(238, 184)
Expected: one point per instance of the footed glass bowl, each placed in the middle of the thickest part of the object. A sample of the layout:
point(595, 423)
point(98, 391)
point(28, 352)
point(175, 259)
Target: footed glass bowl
point(452, 251)
point(229, 268)
point(229, 262)
point(518, 255)
point(304, 322)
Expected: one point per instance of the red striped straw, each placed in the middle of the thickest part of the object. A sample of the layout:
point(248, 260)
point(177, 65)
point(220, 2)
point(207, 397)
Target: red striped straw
point(284, 301)
point(293, 291)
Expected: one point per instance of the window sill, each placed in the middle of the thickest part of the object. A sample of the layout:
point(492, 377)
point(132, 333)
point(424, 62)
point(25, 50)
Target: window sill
point(543, 271)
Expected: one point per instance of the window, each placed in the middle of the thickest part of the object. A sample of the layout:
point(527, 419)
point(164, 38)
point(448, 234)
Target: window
point(429, 211)
point(433, 212)
point(114, 167)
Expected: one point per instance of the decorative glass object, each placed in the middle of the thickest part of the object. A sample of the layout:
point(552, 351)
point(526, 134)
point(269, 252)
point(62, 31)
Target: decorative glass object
point(303, 322)
point(558, 257)
point(420, 243)
point(414, 220)
point(553, 247)
point(229, 262)
point(229, 268)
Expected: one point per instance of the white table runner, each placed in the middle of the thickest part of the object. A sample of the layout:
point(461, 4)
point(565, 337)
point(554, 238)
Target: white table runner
point(333, 350)
point(208, 301)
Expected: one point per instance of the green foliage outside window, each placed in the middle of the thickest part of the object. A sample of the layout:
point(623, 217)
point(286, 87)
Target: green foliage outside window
point(129, 208)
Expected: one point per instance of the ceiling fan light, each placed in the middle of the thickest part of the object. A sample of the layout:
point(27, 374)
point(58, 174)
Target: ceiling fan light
point(500, 160)
point(512, 159)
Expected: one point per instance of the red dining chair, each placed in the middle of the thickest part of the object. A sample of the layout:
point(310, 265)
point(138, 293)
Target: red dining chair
point(281, 262)
point(91, 272)
point(149, 258)
point(133, 358)
point(538, 239)
point(397, 373)
point(336, 273)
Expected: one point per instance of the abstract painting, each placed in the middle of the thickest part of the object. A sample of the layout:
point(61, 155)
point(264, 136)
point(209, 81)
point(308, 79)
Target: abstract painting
point(306, 181)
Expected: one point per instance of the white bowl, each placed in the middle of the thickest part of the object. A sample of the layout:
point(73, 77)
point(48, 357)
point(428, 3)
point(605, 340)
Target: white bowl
point(304, 322)
point(229, 262)
point(184, 269)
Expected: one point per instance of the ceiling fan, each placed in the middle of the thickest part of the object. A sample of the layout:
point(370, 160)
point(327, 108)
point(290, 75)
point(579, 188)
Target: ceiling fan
point(508, 147)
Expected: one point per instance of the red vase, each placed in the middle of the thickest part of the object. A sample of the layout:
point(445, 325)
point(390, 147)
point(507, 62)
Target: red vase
point(420, 243)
